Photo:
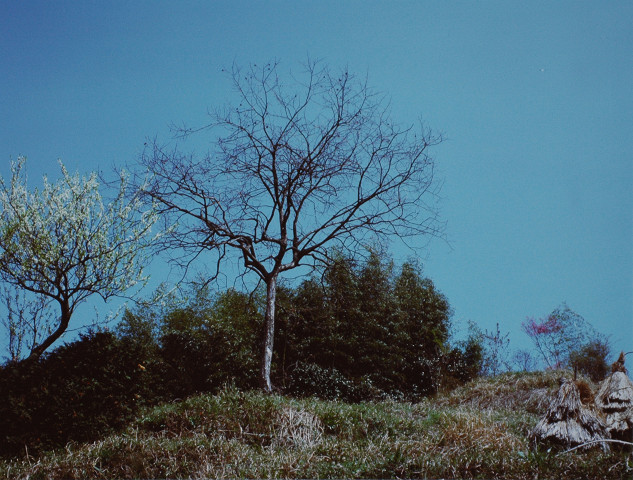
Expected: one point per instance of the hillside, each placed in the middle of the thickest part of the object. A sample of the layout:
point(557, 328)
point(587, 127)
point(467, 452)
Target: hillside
point(476, 431)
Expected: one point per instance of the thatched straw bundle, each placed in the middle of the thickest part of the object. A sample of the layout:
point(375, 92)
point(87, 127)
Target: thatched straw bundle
point(567, 422)
point(615, 399)
point(618, 365)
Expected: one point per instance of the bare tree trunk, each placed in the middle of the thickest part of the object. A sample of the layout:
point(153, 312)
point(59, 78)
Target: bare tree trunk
point(64, 320)
point(323, 143)
point(269, 334)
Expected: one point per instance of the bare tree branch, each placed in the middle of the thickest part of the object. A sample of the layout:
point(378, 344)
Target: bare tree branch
point(295, 170)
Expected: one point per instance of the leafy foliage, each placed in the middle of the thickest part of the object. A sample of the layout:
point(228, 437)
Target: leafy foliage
point(81, 391)
point(591, 359)
point(197, 342)
point(309, 379)
point(384, 333)
point(463, 363)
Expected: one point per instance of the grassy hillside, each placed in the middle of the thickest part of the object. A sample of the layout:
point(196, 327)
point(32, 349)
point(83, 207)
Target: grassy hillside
point(477, 431)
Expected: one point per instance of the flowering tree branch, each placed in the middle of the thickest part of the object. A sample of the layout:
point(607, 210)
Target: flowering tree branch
point(63, 243)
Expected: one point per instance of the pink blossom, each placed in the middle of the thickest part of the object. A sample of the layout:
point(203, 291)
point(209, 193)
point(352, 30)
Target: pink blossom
point(544, 327)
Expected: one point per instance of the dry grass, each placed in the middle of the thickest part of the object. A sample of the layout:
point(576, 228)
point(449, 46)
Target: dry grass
point(479, 431)
point(297, 428)
point(531, 392)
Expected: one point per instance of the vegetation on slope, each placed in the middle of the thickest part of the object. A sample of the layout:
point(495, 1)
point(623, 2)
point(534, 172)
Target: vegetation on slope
point(477, 431)
point(363, 332)
point(369, 385)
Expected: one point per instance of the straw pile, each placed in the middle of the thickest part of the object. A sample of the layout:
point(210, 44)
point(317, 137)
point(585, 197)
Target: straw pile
point(615, 400)
point(567, 422)
point(618, 365)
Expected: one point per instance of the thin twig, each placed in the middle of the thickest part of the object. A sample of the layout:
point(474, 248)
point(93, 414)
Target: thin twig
point(605, 440)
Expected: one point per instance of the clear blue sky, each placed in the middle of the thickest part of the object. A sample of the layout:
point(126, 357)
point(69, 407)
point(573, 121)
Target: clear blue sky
point(535, 98)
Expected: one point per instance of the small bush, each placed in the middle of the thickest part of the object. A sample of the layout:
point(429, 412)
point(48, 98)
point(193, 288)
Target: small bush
point(462, 364)
point(310, 380)
point(591, 360)
point(189, 364)
point(80, 391)
point(195, 343)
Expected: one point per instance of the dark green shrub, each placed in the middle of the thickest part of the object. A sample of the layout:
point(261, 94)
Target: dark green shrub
point(80, 391)
point(384, 332)
point(140, 329)
point(195, 341)
point(22, 391)
point(462, 363)
point(208, 342)
point(309, 379)
point(194, 363)
point(236, 320)
point(591, 359)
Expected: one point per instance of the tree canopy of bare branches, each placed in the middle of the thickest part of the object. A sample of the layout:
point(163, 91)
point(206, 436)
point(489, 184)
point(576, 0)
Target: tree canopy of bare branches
point(296, 169)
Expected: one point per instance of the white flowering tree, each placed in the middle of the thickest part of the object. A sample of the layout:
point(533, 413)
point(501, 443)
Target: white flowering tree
point(62, 243)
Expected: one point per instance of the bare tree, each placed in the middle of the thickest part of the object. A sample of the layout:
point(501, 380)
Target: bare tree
point(496, 347)
point(524, 360)
point(295, 170)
